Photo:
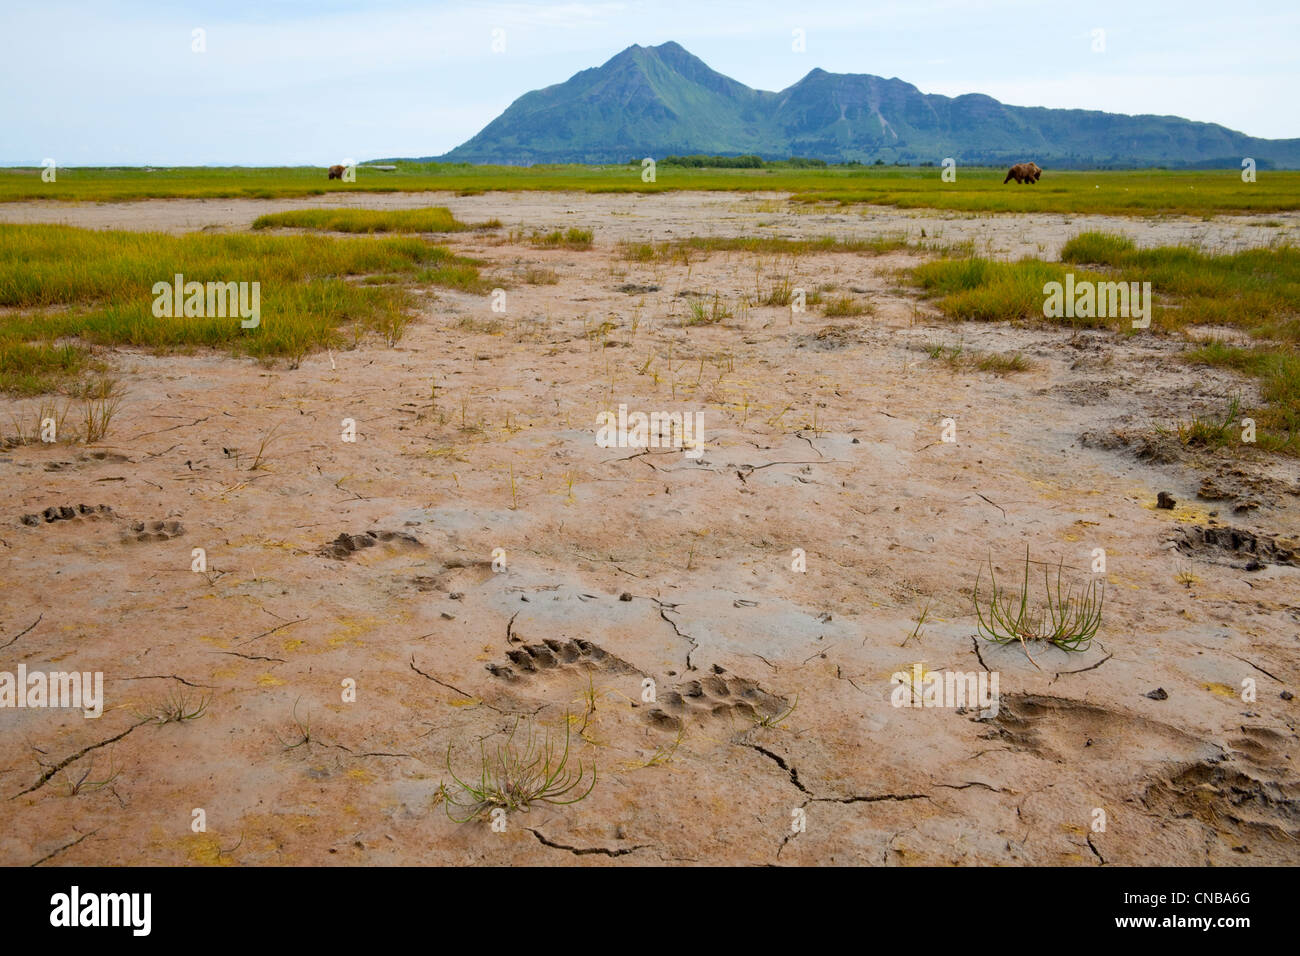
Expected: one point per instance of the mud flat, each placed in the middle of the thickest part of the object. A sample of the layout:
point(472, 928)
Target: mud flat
point(372, 561)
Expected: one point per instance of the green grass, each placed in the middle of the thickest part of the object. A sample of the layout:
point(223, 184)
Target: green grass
point(1278, 420)
point(1131, 192)
point(1255, 290)
point(709, 311)
point(531, 771)
point(1066, 618)
point(678, 249)
point(958, 358)
point(844, 306)
point(67, 290)
point(572, 238)
point(432, 219)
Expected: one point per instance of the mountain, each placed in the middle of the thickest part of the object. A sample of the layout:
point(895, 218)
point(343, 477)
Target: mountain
point(661, 100)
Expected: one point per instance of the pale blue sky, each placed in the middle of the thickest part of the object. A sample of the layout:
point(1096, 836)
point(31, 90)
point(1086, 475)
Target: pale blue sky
point(295, 82)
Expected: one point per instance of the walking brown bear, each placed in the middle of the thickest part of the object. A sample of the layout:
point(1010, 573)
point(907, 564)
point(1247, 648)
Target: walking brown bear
point(336, 172)
point(1023, 173)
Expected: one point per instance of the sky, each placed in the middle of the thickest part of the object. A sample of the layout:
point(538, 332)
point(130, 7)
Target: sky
point(286, 82)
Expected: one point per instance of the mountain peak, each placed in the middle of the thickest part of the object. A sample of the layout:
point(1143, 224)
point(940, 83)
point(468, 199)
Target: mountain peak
point(662, 99)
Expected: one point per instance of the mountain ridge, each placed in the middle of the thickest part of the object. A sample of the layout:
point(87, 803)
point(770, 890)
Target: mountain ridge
point(663, 100)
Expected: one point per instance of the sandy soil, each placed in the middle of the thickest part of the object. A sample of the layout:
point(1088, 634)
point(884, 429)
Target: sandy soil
point(821, 434)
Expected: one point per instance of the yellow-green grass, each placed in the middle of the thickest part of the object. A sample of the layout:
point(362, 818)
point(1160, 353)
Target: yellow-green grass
point(432, 219)
point(65, 290)
point(958, 357)
point(845, 306)
point(977, 189)
point(1255, 290)
point(673, 249)
point(571, 238)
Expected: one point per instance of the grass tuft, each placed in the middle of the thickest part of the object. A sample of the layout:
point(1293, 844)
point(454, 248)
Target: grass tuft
point(517, 776)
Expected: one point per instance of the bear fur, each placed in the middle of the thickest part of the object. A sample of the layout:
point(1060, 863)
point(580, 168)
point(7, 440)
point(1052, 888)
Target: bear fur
point(336, 172)
point(1023, 173)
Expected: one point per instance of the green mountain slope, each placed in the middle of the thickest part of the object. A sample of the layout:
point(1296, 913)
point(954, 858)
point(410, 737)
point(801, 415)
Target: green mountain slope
point(657, 101)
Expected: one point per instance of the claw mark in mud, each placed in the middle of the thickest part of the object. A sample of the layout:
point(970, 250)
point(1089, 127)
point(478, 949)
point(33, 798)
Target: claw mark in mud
point(1222, 544)
point(551, 654)
point(136, 530)
point(68, 513)
point(1062, 730)
point(345, 545)
point(1257, 807)
point(153, 531)
point(718, 695)
point(587, 850)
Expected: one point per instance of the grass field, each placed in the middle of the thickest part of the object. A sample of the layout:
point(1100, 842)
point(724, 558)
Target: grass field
point(64, 290)
point(1131, 192)
point(432, 219)
point(1256, 291)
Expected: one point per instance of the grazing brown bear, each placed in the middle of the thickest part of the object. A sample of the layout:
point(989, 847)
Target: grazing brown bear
point(1023, 173)
point(336, 172)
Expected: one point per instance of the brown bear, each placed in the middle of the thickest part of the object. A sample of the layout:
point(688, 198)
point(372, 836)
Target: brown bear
point(336, 172)
point(1023, 173)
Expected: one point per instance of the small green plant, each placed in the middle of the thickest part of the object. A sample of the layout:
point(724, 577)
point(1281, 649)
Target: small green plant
point(780, 292)
point(97, 415)
point(72, 786)
point(178, 708)
point(921, 616)
point(844, 306)
point(775, 720)
point(517, 776)
point(1066, 619)
point(261, 449)
point(705, 312)
point(664, 753)
point(1209, 433)
point(301, 727)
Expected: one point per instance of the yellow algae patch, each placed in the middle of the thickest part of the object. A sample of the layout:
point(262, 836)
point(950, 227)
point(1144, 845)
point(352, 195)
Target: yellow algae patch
point(268, 680)
point(204, 849)
point(214, 641)
point(224, 673)
point(1122, 580)
point(291, 644)
point(350, 628)
point(361, 775)
point(1222, 690)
